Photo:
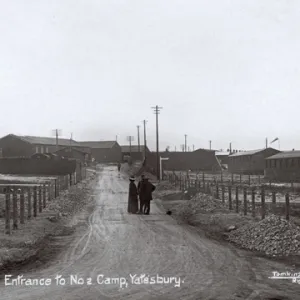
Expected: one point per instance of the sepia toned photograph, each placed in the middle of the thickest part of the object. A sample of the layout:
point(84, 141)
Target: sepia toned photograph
point(150, 150)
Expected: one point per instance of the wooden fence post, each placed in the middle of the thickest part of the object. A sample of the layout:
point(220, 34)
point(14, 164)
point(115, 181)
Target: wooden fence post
point(203, 179)
point(15, 209)
point(253, 202)
point(70, 178)
point(229, 197)
point(249, 179)
point(58, 185)
point(7, 211)
point(237, 199)
point(40, 199)
point(245, 201)
point(223, 193)
point(221, 177)
point(259, 179)
point(263, 204)
point(35, 201)
point(29, 204)
point(48, 187)
point(274, 202)
point(55, 188)
point(287, 206)
point(232, 179)
point(217, 191)
point(44, 195)
point(22, 207)
point(180, 186)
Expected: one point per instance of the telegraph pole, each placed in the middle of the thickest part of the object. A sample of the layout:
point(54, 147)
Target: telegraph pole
point(56, 135)
point(193, 147)
point(56, 132)
point(138, 133)
point(130, 139)
point(209, 145)
point(71, 138)
point(156, 111)
point(145, 139)
point(185, 136)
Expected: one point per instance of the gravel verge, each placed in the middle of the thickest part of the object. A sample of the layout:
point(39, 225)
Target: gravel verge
point(24, 243)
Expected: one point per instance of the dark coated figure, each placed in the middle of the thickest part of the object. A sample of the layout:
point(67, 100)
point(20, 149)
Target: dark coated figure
point(132, 197)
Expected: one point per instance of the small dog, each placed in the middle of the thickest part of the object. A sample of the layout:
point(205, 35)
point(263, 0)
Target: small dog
point(169, 212)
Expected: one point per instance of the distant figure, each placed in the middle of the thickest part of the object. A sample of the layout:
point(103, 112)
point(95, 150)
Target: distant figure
point(132, 197)
point(119, 167)
point(141, 192)
point(147, 195)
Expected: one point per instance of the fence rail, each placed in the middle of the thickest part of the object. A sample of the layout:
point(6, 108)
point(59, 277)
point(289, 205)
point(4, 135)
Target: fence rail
point(254, 200)
point(238, 179)
point(24, 201)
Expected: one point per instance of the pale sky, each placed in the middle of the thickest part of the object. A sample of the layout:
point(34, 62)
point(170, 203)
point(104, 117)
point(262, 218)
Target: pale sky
point(226, 71)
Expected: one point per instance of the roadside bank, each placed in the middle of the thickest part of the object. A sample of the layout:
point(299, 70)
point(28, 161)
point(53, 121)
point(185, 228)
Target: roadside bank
point(24, 244)
point(272, 237)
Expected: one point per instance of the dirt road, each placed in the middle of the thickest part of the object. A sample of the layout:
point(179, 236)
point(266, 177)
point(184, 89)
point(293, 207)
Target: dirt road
point(118, 245)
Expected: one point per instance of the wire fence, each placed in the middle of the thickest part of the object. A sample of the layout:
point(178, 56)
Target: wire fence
point(239, 196)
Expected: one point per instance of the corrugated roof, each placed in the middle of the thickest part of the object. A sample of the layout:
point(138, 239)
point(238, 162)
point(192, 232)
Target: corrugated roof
point(222, 153)
point(73, 149)
point(47, 140)
point(286, 154)
point(98, 144)
point(202, 149)
point(134, 148)
point(251, 152)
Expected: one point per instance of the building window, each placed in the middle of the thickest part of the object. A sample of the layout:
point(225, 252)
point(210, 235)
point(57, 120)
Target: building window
point(36, 149)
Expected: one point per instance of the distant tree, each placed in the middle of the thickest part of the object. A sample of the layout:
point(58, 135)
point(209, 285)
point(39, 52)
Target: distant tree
point(168, 149)
point(228, 150)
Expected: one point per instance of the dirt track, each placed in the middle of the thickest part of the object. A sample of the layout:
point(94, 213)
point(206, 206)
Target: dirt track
point(117, 244)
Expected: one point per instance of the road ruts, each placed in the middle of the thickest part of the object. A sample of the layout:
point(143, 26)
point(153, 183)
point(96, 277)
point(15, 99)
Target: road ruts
point(117, 244)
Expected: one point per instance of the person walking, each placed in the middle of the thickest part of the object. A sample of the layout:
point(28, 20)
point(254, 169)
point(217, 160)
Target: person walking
point(147, 192)
point(119, 167)
point(132, 197)
point(141, 193)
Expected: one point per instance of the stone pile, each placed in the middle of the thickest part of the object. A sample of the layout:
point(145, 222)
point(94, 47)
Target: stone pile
point(69, 202)
point(200, 203)
point(273, 236)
